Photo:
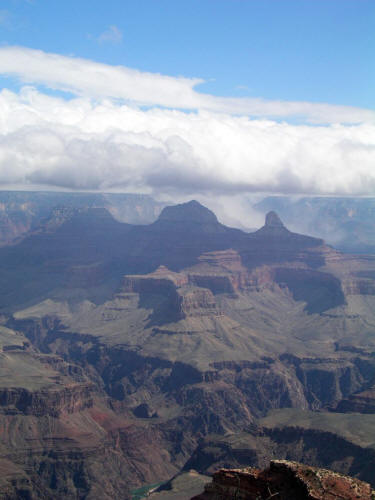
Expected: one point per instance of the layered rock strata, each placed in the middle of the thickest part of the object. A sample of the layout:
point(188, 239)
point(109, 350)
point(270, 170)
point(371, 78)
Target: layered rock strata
point(206, 345)
point(284, 480)
point(362, 402)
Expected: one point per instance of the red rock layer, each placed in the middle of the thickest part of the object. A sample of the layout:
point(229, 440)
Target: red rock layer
point(284, 480)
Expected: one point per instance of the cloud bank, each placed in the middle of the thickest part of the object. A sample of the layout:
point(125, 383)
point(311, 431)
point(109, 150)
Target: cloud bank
point(103, 140)
point(81, 144)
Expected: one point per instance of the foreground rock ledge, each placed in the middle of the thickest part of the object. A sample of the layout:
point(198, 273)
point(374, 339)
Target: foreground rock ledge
point(284, 480)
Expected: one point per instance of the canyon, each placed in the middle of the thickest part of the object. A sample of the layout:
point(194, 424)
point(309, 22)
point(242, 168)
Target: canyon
point(130, 354)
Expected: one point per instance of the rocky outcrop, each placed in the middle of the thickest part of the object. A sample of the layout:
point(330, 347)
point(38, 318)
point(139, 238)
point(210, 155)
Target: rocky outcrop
point(161, 281)
point(177, 293)
point(274, 243)
point(196, 301)
point(326, 381)
point(347, 223)
point(224, 259)
point(223, 272)
point(285, 480)
point(321, 291)
point(336, 449)
point(54, 402)
point(220, 272)
point(14, 482)
point(359, 286)
point(362, 402)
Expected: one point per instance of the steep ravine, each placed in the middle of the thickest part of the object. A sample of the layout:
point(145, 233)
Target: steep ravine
point(177, 405)
point(271, 382)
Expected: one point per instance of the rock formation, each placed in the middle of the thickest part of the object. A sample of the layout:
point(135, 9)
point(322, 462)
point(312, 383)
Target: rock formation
point(23, 212)
point(129, 351)
point(287, 481)
point(347, 223)
point(360, 402)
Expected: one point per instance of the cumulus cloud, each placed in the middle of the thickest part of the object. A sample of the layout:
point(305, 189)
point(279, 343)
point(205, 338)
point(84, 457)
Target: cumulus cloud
point(81, 144)
point(111, 35)
point(182, 145)
point(83, 77)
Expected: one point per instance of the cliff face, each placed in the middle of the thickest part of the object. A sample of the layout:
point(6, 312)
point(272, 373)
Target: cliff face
point(63, 440)
point(361, 402)
point(52, 441)
point(359, 286)
point(285, 480)
point(67, 399)
point(178, 297)
point(222, 272)
point(125, 389)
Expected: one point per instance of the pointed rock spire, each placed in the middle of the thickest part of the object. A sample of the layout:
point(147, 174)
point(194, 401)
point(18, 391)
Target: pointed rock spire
point(273, 220)
point(273, 227)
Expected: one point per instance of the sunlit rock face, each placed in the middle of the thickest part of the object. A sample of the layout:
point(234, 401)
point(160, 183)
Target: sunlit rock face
point(285, 480)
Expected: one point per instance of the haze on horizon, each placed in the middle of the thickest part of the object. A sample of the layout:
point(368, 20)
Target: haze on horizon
point(275, 97)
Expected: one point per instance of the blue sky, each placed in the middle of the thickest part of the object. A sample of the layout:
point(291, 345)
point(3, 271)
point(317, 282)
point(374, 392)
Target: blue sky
point(206, 99)
point(313, 50)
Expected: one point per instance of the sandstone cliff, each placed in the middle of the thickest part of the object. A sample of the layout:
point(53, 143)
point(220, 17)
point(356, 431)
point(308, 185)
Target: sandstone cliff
point(285, 480)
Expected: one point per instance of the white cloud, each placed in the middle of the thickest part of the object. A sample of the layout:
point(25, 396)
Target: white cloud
point(215, 153)
point(80, 144)
point(96, 80)
point(111, 35)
